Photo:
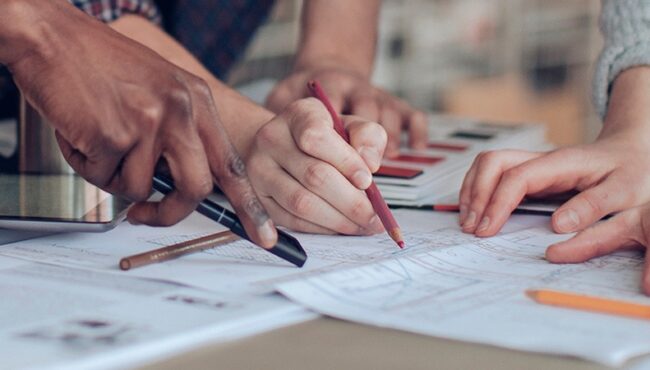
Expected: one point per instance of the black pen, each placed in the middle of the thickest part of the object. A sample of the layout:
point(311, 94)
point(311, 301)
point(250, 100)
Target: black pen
point(522, 209)
point(288, 248)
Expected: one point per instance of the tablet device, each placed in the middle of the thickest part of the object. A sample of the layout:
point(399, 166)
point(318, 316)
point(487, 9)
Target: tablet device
point(57, 203)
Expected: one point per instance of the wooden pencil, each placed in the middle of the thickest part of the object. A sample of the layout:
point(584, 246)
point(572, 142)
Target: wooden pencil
point(589, 303)
point(177, 250)
point(373, 193)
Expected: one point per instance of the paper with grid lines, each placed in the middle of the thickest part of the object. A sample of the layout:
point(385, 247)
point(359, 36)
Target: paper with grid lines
point(476, 292)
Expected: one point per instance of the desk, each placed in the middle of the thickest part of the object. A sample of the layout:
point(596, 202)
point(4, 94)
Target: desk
point(333, 344)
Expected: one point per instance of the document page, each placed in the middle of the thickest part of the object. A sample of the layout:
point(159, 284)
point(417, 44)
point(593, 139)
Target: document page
point(69, 318)
point(476, 292)
point(240, 266)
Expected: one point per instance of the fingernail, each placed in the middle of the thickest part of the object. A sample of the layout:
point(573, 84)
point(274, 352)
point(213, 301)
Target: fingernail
point(463, 214)
point(568, 220)
point(485, 222)
point(471, 220)
point(133, 221)
point(267, 233)
point(362, 179)
point(371, 156)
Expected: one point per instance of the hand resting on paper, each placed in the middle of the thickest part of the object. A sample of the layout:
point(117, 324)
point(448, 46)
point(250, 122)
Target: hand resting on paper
point(628, 229)
point(610, 175)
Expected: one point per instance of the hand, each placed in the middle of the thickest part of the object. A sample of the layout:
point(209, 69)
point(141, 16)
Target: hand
point(118, 108)
point(628, 229)
point(611, 175)
point(352, 93)
point(309, 178)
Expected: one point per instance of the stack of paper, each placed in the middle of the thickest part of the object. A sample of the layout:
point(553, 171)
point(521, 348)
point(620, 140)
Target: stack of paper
point(435, 175)
point(81, 310)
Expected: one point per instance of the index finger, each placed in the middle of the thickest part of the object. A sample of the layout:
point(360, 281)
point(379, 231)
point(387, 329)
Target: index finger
point(557, 171)
point(417, 124)
point(229, 173)
point(368, 139)
point(621, 231)
point(185, 156)
point(314, 134)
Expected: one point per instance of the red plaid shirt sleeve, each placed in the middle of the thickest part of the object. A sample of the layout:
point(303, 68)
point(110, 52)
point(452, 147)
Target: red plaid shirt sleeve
point(110, 10)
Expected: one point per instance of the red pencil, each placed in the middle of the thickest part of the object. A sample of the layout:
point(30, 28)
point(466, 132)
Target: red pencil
point(377, 201)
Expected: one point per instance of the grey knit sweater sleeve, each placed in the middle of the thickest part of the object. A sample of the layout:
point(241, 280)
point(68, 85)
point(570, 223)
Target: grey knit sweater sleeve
point(625, 25)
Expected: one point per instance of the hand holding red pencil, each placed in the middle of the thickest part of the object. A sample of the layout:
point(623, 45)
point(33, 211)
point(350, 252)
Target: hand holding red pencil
point(308, 178)
point(378, 202)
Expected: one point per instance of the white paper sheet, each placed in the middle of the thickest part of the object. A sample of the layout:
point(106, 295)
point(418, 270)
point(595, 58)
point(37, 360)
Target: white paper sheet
point(68, 318)
point(475, 293)
point(239, 266)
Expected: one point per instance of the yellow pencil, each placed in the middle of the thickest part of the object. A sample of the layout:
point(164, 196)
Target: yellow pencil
point(589, 303)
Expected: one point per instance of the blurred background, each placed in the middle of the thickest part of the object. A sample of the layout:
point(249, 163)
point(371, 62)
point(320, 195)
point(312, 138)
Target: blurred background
point(502, 60)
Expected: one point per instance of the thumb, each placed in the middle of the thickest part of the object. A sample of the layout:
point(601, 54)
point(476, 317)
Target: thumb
point(619, 232)
point(590, 206)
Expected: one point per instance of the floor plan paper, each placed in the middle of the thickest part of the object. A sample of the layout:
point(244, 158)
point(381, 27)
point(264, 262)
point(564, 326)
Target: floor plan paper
point(56, 317)
point(475, 293)
point(239, 266)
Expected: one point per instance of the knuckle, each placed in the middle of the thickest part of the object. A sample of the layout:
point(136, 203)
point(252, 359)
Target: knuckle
point(373, 131)
point(301, 202)
point(235, 166)
point(417, 116)
point(485, 159)
point(199, 86)
point(180, 102)
point(347, 228)
point(138, 194)
point(316, 175)
point(266, 136)
point(311, 137)
point(199, 189)
point(599, 248)
point(360, 208)
point(301, 109)
point(512, 176)
point(167, 219)
point(150, 116)
point(120, 142)
point(204, 188)
point(593, 201)
point(254, 208)
point(231, 167)
point(628, 222)
point(392, 127)
point(476, 195)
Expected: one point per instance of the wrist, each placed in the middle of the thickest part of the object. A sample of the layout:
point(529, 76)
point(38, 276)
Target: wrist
point(628, 112)
point(241, 117)
point(333, 61)
point(24, 30)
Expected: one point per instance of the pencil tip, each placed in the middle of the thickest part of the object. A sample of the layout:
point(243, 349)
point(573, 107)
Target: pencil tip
point(531, 294)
